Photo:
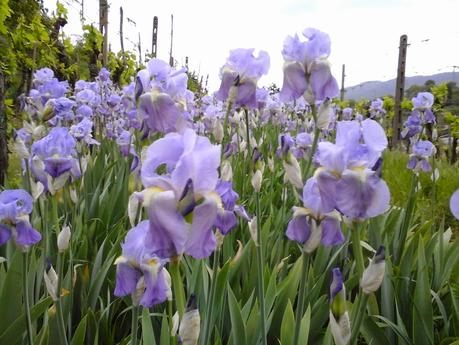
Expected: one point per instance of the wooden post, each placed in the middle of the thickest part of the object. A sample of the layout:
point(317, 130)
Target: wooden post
point(121, 31)
point(154, 38)
point(139, 45)
point(103, 28)
point(399, 91)
point(171, 59)
point(343, 74)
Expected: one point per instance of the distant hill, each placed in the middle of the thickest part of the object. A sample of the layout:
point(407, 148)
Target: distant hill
point(374, 89)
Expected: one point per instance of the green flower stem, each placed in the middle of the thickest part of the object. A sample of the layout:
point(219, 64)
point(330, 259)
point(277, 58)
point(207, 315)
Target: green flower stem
point(260, 280)
point(60, 316)
point(135, 324)
point(247, 128)
point(359, 317)
point(210, 302)
point(225, 125)
point(301, 295)
point(25, 287)
point(314, 145)
point(177, 286)
point(357, 250)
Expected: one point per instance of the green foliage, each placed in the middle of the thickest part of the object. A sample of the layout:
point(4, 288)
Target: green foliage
point(5, 12)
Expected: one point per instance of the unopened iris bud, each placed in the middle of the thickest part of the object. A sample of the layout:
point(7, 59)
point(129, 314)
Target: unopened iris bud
point(63, 239)
point(293, 171)
point(257, 178)
point(374, 273)
point(51, 280)
point(218, 131)
point(190, 324)
point(324, 114)
point(227, 171)
point(339, 318)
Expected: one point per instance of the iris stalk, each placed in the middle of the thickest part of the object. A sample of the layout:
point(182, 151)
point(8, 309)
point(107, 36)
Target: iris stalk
point(213, 286)
point(25, 285)
point(260, 280)
point(300, 306)
point(135, 324)
point(177, 286)
point(60, 317)
point(359, 316)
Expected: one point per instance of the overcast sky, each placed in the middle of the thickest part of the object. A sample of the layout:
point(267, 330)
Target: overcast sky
point(364, 34)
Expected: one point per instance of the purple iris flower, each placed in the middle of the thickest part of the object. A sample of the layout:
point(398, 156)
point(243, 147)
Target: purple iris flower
point(139, 272)
point(413, 125)
point(240, 75)
point(454, 204)
point(82, 131)
point(376, 108)
point(306, 69)
point(314, 224)
point(181, 198)
point(162, 91)
point(53, 157)
point(419, 159)
point(15, 207)
point(347, 114)
point(423, 100)
point(226, 218)
point(346, 177)
point(124, 141)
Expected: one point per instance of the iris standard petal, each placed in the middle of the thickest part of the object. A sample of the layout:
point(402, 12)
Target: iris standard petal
point(295, 83)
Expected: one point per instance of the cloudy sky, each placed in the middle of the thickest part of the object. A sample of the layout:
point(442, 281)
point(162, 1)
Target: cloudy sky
point(364, 33)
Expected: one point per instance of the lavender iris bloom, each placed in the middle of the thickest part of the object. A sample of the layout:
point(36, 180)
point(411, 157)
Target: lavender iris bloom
point(313, 224)
point(454, 204)
point(306, 69)
point(240, 75)
point(162, 92)
point(376, 109)
point(347, 114)
point(346, 177)
point(226, 218)
point(182, 204)
point(15, 207)
point(53, 159)
point(82, 132)
point(127, 147)
point(421, 115)
point(139, 272)
point(419, 159)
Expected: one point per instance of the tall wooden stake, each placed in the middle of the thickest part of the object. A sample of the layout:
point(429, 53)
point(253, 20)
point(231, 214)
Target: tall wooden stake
point(121, 31)
point(140, 50)
point(154, 38)
point(399, 90)
point(103, 28)
point(171, 59)
point(343, 75)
